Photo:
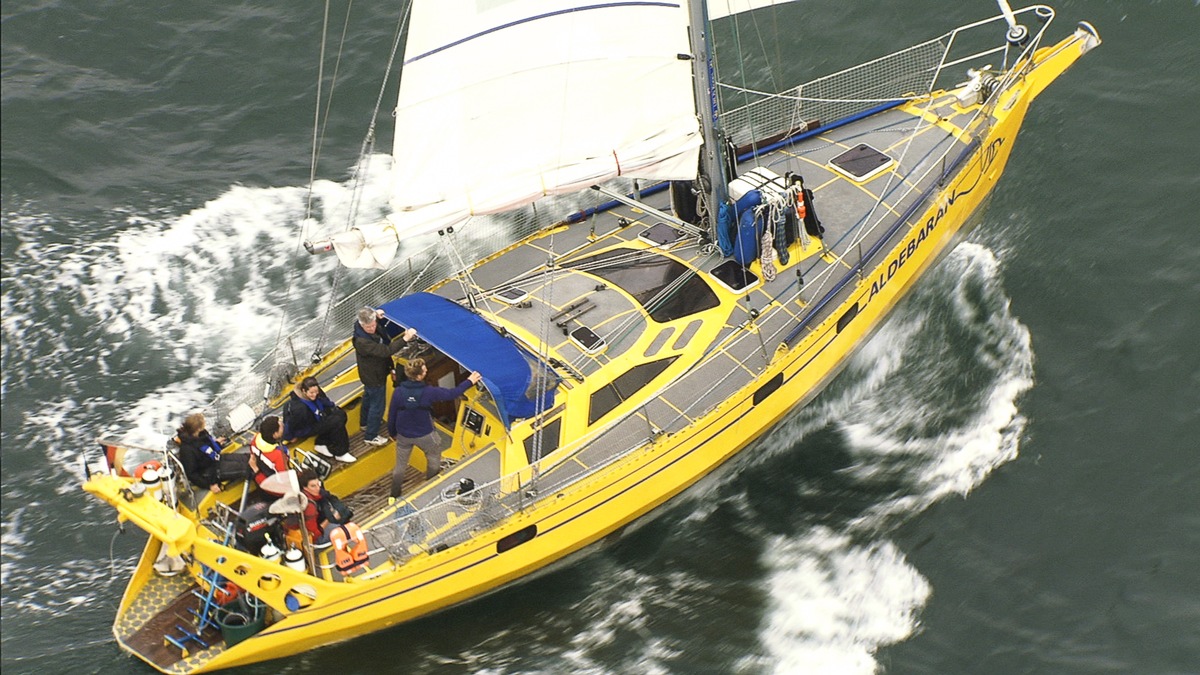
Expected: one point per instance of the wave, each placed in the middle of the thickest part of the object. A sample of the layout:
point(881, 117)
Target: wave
point(928, 408)
point(149, 321)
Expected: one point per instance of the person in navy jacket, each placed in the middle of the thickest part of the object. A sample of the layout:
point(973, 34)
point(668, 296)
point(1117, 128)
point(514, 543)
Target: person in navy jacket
point(310, 412)
point(410, 421)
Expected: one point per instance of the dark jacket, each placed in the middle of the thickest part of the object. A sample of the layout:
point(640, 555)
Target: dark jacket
point(198, 466)
point(374, 354)
point(301, 420)
point(324, 510)
point(415, 421)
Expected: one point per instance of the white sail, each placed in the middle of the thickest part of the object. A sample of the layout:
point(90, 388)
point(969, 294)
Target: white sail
point(502, 103)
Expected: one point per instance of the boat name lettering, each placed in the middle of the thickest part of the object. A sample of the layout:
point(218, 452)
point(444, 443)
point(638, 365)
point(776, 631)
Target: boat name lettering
point(915, 242)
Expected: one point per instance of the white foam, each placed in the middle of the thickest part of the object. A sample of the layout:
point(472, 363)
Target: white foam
point(907, 420)
point(834, 603)
point(917, 424)
point(197, 298)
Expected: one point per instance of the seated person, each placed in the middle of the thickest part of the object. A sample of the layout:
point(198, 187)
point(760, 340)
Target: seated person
point(324, 510)
point(310, 412)
point(200, 454)
point(267, 456)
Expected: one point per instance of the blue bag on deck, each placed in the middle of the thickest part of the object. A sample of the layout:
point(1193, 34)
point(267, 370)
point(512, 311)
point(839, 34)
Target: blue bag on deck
point(726, 224)
point(749, 230)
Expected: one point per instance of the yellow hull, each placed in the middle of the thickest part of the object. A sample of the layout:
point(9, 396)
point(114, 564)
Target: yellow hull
point(613, 497)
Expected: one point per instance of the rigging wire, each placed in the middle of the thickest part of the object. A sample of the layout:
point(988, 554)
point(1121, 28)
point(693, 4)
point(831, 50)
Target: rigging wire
point(366, 151)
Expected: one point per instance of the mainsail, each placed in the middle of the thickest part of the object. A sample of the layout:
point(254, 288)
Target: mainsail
point(503, 103)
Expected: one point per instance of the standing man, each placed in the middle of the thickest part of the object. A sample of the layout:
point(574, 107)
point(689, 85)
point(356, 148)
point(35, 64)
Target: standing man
point(373, 350)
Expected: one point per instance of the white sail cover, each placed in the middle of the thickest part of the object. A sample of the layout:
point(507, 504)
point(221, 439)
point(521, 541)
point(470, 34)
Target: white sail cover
point(503, 102)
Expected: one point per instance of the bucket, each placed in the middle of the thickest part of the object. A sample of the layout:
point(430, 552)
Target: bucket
point(271, 553)
point(152, 483)
point(294, 559)
point(240, 622)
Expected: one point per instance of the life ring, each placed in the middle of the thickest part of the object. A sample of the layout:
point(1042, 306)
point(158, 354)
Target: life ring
point(349, 548)
point(146, 466)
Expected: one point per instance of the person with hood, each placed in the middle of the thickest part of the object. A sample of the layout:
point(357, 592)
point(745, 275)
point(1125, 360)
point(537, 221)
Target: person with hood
point(373, 351)
point(410, 421)
point(200, 453)
point(310, 412)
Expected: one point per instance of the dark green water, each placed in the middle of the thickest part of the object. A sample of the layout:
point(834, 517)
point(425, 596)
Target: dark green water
point(1006, 480)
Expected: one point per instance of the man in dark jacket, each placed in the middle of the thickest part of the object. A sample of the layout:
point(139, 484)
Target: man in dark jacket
point(410, 421)
point(373, 351)
point(310, 412)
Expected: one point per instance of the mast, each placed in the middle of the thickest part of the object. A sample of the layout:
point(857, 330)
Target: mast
point(712, 166)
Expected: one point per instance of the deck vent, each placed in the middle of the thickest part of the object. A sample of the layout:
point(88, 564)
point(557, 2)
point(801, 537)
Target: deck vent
point(661, 235)
point(861, 162)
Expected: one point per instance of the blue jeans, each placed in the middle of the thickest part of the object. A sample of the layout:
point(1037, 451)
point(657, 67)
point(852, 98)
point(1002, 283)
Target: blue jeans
point(374, 401)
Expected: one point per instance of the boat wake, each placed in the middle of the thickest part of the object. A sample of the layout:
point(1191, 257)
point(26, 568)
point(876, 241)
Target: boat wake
point(157, 296)
point(927, 409)
point(102, 335)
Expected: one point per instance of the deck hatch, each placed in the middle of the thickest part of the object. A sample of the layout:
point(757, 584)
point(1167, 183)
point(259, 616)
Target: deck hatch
point(733, 276)
point(666, 288)
point(587, 340)
point(861, 162)
point(661, 235)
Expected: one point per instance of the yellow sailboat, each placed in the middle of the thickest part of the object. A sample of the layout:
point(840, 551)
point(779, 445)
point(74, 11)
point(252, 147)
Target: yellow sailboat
point(631, 338)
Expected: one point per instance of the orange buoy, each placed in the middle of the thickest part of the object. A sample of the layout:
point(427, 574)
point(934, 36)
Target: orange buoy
point(146, 466)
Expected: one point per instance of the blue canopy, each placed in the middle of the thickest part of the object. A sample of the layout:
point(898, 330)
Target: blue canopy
point(467, 338)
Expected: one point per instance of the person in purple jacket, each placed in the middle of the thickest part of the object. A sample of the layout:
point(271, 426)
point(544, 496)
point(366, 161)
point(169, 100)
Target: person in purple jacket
point(410, 421)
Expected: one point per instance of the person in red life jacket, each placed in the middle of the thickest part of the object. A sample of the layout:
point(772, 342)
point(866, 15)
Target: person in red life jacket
point(267, 456)
point(310, 412)
point(200, 453)
point(410, 421)
point(324, 510)
point(373, 352)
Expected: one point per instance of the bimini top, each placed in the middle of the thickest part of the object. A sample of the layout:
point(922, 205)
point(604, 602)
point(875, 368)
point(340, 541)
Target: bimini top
point(466, 337)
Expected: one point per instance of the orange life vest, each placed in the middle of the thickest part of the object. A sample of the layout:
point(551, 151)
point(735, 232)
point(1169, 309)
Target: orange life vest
point(349, 548)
